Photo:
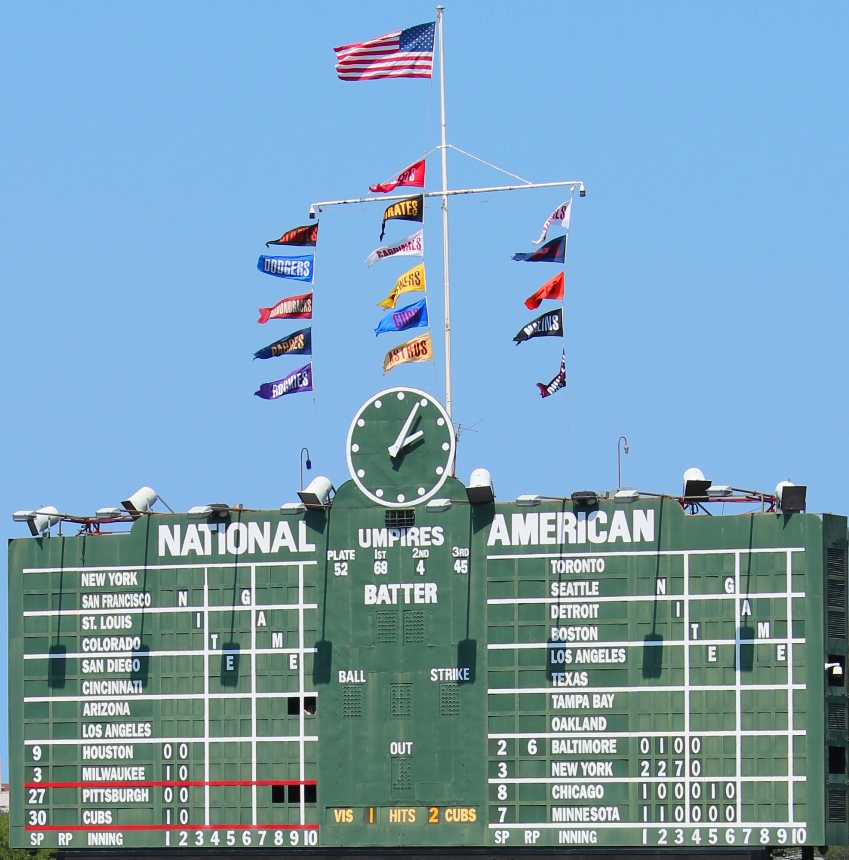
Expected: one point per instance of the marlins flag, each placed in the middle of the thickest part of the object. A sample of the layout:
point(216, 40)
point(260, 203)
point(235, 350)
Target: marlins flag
point(298, 380)
point(298, 268)
point(551, 252)
point(561, 215)
point(294, 307)
point(298, 343)
point(412, 176)
point(412, 246)
point(417, 349)
point(412, 316)
point(400, 54)
point(548, 325)
point(557, 383)
point(551, 289)
point(409, 209)
point(409, 282)
point(298, 236)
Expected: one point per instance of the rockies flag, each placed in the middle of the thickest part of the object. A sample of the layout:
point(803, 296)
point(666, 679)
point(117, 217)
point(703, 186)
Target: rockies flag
point(548, 325)
point(297, 343)
point(411, 316)
point(410, 209)
point(298, 380)
point(557, 383)
point(298, 236)
point(551, 252)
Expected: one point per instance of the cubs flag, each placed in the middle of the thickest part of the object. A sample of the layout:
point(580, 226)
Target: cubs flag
point(557, 383)
point(548, 325)
point(409, 209)
point(297, 343)
point(551, 252)
point(561, 215)
point(551, 289)
point(296, 268)
point(410, 177)
point(400, 54)
point(298, 380)
point(409, 282)
point(411, 316)
point(292, 308)
point(298, 236)
point(417, 349)
point(412, 246)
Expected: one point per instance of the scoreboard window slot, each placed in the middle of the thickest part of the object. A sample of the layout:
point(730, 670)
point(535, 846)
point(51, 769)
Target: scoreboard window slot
point(837, 760)
point(835, 679)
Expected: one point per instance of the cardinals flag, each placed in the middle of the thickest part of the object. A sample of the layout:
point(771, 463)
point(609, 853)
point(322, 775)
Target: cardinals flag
point(557, 383)
point(562, 215)
point(552, 289)
point(307, 235)
point(413, 176)
point(551, 252)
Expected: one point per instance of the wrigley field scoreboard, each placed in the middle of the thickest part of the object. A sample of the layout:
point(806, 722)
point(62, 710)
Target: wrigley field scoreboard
point(404, 667)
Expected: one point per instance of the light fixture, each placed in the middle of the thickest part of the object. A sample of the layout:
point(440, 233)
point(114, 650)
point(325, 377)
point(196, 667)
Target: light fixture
point(200, 512)
point(626, 495)
point(584, 499)
point(109, 513)
point(140, 502)
point(695, 484)
point(317, 494)
point(293, 508)
point(480, 490)
point(718, 491)
point(436, 506)
point(23, 516)
point(38, 521)
point(791, 499)
point(312, 211)
point(528, 501)
point(834, 668)
point(582, 192)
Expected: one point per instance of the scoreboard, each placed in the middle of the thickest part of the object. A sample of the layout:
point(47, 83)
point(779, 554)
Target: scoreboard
point(397, 669)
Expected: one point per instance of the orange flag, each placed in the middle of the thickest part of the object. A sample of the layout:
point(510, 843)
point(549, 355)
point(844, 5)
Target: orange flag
point(552, 289)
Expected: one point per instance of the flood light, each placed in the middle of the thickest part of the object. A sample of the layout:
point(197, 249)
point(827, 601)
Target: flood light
point(626, 495)
point(317, 493)
point(479, 489)
point(718, 491)
point(528, 501)
point(584, 499)
point(140, 502)
point(200, 512)
point(293, 508)
point(435, 506)
point(695, 484)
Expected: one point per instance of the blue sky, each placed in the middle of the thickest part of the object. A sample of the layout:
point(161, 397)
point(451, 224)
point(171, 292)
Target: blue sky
point(147, 152)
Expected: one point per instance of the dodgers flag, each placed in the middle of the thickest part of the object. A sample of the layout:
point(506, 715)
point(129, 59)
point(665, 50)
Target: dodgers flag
point(296, 268)
point(298, 380)
point(412, 316)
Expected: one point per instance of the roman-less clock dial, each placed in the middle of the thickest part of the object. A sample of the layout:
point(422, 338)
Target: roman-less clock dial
point(400, 447)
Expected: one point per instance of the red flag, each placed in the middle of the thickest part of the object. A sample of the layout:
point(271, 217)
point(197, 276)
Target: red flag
point(552, 289)
point(413, 175)
point(294, 307)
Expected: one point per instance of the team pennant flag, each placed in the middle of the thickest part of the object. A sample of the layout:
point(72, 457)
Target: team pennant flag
point(297, 381)
point(412, 246)
point(409, 282)
point(561, 215)
point(548, 325)
point(412, 176)
point(298, 236)
point(297, 268)
point(411, 316)
point(400, 54)
point(557, 383)
point(551, 252)
point(417, 349)
point(292, 308)
point(410, 209)
point(297, 343)
point(551, 289)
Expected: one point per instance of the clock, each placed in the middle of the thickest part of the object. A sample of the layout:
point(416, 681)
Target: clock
point(400, 447)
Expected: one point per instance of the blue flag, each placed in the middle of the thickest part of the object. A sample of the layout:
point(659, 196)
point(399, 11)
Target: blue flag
point(298, 380)
point(551, 252)
point(412, 316)
point(297, 343)
point(297, 268)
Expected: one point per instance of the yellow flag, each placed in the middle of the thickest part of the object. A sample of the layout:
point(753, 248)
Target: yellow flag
point(418, 349)
point(409, 282)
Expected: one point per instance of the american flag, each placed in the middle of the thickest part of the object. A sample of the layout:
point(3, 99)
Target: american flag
point(402, 54)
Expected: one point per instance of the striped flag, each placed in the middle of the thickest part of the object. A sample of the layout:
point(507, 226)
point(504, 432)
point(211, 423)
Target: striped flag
point(402, 54)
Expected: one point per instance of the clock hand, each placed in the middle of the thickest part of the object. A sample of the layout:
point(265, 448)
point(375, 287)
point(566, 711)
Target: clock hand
point(399, 442)
point(410, 439)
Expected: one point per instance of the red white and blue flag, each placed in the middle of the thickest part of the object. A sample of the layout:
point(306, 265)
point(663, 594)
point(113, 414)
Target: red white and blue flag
point(401, 54)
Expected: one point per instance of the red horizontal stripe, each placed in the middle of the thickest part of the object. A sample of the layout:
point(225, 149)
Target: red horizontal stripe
point(395, 34)
point(174, 827)
point(101, 784)
point(388, 62)
point(375, 75)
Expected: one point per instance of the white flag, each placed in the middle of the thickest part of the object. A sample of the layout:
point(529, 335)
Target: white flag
point(560, 215)
point(412, 246)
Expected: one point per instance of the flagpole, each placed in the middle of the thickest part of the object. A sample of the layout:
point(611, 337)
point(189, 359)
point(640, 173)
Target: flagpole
point(446, 281)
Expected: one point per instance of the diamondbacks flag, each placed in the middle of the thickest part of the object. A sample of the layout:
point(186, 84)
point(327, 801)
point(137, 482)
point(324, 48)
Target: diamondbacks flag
point(400, 54)
point(551, 252)
point(417, 349)
point(412, 177)
point(548, 325)
point(561, 215)
point(409, 282)
point(551, 289)
point(307, 235)
point(292, 308)
point(297, 268)
point(411, 316)
point(297, 343)
point(557, 383)
point(412, 246)
point(409, 209)
point(298, 380)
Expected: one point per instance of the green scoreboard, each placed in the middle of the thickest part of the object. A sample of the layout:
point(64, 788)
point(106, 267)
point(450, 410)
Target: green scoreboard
point(405, 667)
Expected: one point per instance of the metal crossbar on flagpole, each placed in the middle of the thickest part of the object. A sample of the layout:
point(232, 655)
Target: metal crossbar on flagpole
point(445, 193)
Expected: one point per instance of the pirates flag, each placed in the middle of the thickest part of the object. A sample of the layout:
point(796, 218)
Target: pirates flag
point(297, 343)
point(552, 289)
point(297, 380)
point(307, 235)
point(551, 252)
point(561, 215)
point(293, 307)
point(411, 281)
point(411, 316)
point(557, 383)
point(409, 209)
point(414, 175)
point(417, 349)
point(548, 325)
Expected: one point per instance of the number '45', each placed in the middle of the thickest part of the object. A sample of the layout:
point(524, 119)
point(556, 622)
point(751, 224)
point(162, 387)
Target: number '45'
point(461, 565)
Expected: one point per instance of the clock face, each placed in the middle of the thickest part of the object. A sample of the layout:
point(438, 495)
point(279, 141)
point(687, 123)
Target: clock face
point(400, 447)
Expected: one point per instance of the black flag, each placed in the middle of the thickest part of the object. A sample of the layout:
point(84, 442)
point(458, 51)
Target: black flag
point(409, 209)
point(297, 343)
point(548, 325)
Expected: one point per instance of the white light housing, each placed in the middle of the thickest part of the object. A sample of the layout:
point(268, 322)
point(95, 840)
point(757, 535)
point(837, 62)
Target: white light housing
point(834, 668)
point(44, 519)
point(200, 512)
point(293, 508)
point(626, 495)
point(694, 474)
point(528, 500)
point(140, 502)
point(718, 491)
point(23, 516)
point(103, 513)
point(317, 493)
point(480, 490)
point(435, 506)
